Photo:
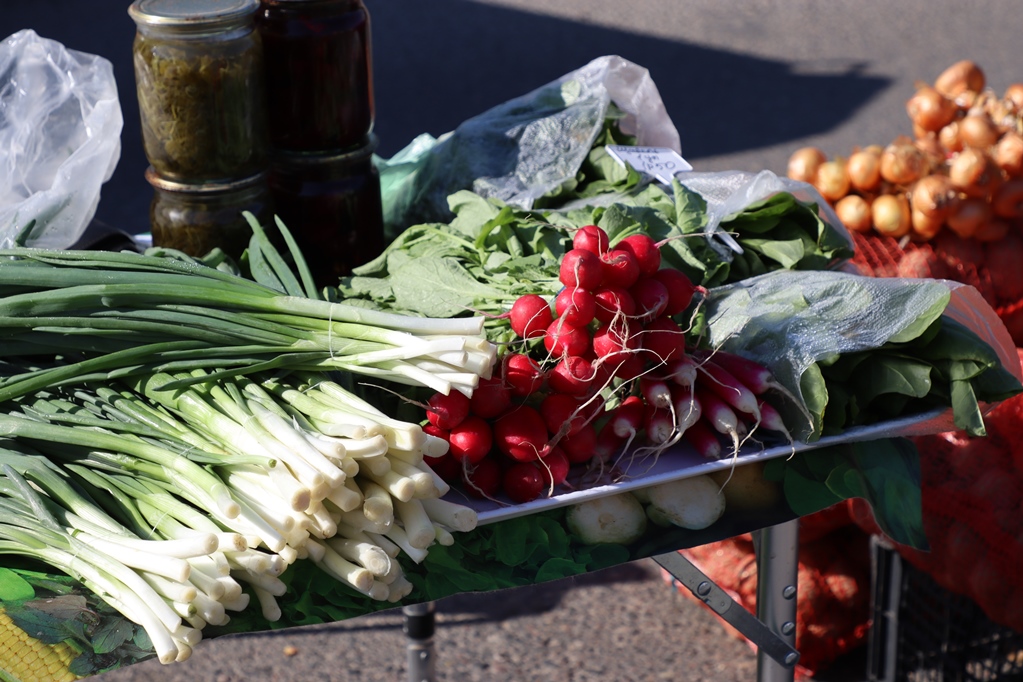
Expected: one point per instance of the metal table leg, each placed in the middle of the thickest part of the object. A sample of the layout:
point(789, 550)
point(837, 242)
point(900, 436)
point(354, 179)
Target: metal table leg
point(419, 628)
point(777, 586)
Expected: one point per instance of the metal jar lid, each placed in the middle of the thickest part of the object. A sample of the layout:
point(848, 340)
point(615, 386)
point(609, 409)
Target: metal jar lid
point(186, 15)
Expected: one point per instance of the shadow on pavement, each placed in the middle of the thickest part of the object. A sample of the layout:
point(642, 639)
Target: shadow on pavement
point(439, 63)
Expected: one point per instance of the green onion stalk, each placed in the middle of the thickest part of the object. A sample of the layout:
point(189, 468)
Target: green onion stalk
point(175, 429)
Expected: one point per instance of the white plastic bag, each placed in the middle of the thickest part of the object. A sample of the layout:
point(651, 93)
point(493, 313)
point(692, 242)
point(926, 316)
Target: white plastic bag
point(60, 138)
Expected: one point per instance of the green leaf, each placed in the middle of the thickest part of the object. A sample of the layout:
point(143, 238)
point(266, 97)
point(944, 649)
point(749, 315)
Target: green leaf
point(438, 287)
point(882, 374)
point(13, 587)
point(111, 635)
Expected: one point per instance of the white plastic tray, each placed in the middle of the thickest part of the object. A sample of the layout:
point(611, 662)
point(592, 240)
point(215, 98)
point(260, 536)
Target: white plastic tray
point(681, 462)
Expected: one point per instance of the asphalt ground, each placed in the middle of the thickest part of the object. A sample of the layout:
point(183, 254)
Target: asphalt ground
point(746, 82)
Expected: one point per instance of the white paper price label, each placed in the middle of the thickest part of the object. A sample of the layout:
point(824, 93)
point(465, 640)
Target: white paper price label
point(661, 162)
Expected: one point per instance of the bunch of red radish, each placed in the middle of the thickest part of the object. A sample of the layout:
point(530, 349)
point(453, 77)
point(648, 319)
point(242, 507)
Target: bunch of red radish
point(610, 337)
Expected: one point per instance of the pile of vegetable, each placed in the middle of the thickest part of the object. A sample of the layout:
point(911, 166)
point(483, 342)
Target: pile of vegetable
point(597, 377)
point(971, 487)
point(174, 434)
point(944, 200)
point(960, 171)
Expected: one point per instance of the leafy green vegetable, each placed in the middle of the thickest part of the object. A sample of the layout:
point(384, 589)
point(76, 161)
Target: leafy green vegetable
point(490, 253)
point(886, 473)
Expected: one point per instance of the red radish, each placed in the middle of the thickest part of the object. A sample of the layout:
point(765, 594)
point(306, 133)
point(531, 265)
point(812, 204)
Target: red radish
point(681, 371)
point(591, 238)
point(614, 342)
point(562, 413)
point(621, 269)
point(471, 440)
point(651, 298)
point(447, 411)
point(575, 306)
point(445, 466)
point(680, 289)
point(630, 368)
point(608, 444)
point(646, 251)
point(521, 434)
point(659, 426)
point(483, 480)
point(724, 385)
point(523, 482)
point(665, 341)
point(490, 399)
point(522, 374)
point(611, 302)
point(627, 418)
point(554, 467)
point(771, 420)
point(579, 446)
point(687, 407)
point(573, 376)
point(581, 268)
point(530, 316)
point(704, 440)
point(752, 374)
point(655, 391)
point(719, 415)
point(434, 430)
point(565, 339)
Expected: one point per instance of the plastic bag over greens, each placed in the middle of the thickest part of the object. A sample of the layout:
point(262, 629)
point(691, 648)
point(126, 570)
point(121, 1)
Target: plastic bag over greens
point(856, 350)
point(525, 147)
point(60, 138)
point(729, 193)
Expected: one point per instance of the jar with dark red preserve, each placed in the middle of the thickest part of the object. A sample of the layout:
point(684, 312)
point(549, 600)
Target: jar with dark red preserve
point(331, 204)
point(319, 73)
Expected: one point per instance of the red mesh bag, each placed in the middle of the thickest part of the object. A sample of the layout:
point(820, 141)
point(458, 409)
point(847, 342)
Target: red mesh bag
point(833, 604)
point(993, 268)
point(972, 488)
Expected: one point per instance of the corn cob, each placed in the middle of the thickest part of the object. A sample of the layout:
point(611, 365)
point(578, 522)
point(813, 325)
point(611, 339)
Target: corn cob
point(24, 658)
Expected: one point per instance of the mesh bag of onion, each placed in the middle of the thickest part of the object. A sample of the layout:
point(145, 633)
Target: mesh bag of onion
point(972, 497)
point(833, 604)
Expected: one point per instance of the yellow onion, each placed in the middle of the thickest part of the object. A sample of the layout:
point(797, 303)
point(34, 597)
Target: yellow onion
point(902, 162)
point(864, 169)
point(963, 76)
point(1008, 153)
point(969, 215)
point(804, 162)
point(930, 110)
point(832, 180)
point(854, 212)
point(1007, 200)
point(924, 227)
point(949, 138)
point(890, 214)
point(933, 196)
point(974, 173)
point(1013, 97)
point(977, 129)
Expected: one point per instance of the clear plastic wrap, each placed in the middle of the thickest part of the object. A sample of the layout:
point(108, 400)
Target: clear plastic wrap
point(60, 138)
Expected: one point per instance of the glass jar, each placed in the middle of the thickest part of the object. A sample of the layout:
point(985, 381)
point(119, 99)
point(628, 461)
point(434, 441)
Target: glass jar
point(332, 206)
point(199, 76)
point(319, 74)
point(196, 219)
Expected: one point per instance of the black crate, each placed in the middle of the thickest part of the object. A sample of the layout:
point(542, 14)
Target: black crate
point(922, 632)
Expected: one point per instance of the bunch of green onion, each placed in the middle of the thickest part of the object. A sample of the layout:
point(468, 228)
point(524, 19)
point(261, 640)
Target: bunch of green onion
point(172, 435)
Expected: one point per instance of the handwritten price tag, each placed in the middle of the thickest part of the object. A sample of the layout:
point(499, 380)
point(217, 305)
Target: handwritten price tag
point(661, 162)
